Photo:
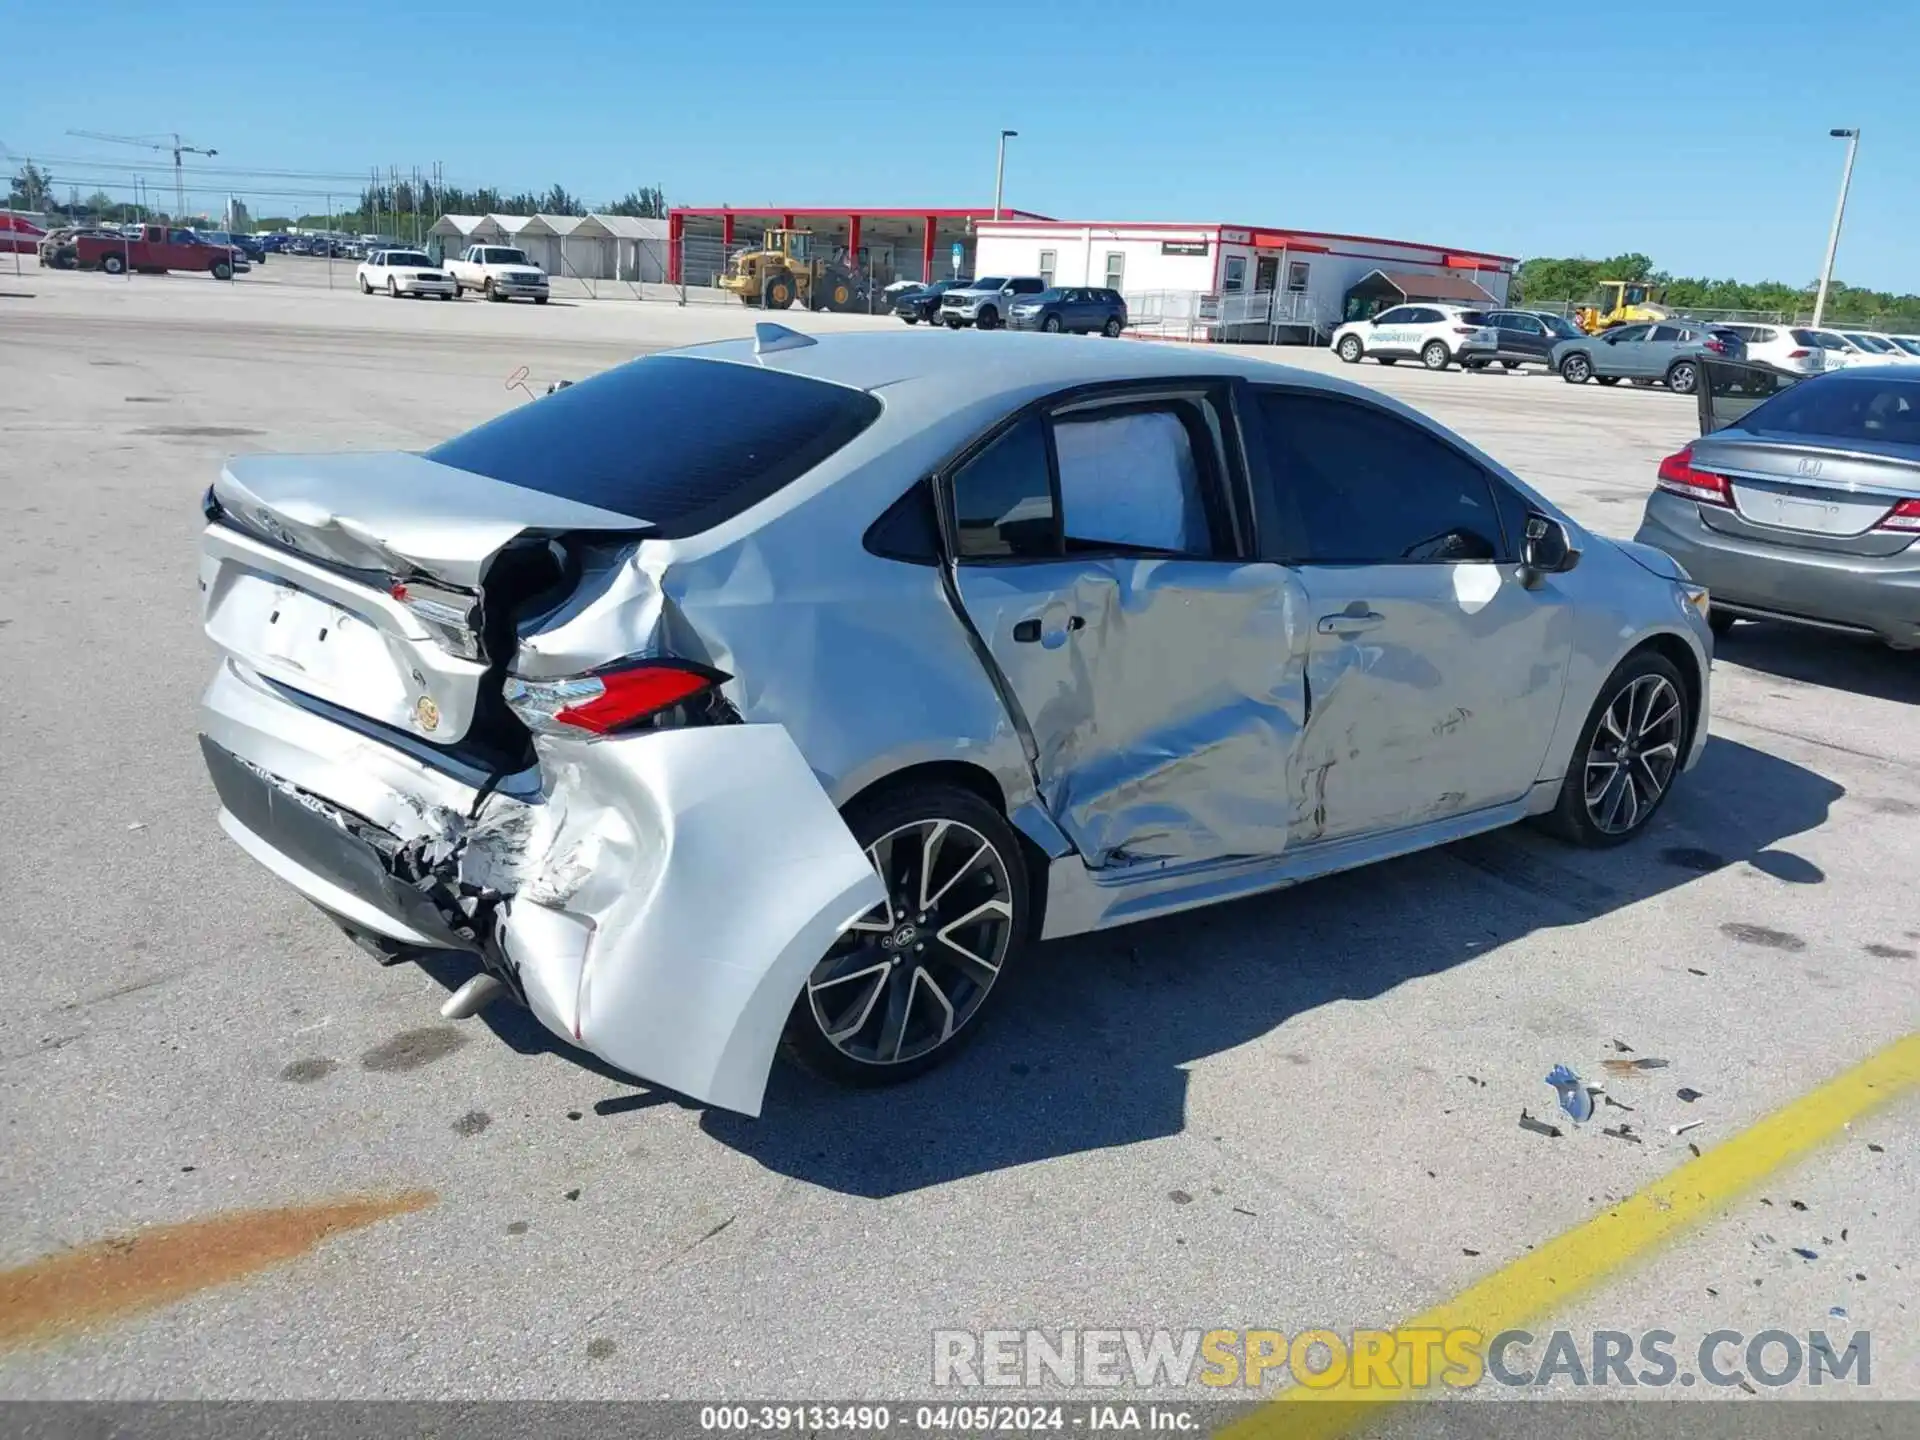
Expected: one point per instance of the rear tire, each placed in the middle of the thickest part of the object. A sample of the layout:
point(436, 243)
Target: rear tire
point(1350, 349)
point(1682, 377)
point(911, 319)
point(890, 982)
point(1112, 328)
point(1629, 754)
point(1435, 355)
point(113, 264)
point(539, 299)
point(1510, 364)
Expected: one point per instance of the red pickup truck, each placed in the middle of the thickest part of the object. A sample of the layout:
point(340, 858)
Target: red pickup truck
point(157, 250)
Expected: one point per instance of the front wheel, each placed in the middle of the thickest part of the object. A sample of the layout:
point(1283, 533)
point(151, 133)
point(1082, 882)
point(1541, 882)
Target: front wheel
point(987, 318)
point(393, 290)
point(222, 270)
point(1435, 356)
point(1510, 364)
point(458, 291)
point(489, 289)
point(365, 288)
point(911, 319)
point(903, 988)
point(1350, 349)
point(1630, 750)
point(1576, 369)
point(1051, 325)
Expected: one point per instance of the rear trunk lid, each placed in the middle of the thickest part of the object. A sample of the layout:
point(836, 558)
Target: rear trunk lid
point(384, 583)
point(1807, 495)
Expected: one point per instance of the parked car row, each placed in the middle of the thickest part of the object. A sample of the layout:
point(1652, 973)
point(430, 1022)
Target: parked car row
point(499, 272)
point(1021, 302)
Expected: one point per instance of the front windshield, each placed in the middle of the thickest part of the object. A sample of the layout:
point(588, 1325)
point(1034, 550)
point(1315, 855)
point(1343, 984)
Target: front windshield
point(508, 257)
point(407, 257)
point(992, 282)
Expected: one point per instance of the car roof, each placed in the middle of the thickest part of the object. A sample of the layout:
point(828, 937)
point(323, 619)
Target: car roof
point(911, 367)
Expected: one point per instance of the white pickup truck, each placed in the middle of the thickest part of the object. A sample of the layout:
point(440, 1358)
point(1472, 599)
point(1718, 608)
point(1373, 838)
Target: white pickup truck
point(499, 272)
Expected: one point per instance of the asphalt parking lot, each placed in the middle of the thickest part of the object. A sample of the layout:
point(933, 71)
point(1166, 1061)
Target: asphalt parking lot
point(1299, 1111)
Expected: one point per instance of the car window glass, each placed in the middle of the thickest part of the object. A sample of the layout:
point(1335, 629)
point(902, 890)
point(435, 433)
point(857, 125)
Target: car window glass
point(1845, 406)
point(1369, 488)
point(1003, 497)
point(1130, 481)
point(1399, 315)
point(1421, 316)
point(1626, 334)
point(1665, 332)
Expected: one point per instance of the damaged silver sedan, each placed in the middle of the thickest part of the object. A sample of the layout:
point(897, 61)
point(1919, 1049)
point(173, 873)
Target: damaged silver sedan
point(786, 690)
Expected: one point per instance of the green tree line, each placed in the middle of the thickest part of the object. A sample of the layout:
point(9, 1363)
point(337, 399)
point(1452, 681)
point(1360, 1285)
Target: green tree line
point(1548, 281)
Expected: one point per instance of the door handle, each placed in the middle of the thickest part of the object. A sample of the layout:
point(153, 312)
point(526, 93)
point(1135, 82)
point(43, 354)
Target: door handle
point(1349, 622)
point(1027, 632)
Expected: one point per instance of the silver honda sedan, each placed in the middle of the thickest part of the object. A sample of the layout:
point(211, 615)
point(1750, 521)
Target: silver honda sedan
point(784, 691)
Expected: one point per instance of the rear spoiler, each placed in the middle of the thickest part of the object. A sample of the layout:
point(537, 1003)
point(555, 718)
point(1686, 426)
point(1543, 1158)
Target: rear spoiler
point(1728, 389)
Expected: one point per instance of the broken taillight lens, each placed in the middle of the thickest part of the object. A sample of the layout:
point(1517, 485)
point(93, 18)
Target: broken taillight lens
point(1678, 476)
point(609, 701)
point(447, 614)
point(1904, 516)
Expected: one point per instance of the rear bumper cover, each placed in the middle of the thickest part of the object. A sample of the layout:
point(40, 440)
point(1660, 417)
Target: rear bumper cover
point(659, 903)
point(1874, 594)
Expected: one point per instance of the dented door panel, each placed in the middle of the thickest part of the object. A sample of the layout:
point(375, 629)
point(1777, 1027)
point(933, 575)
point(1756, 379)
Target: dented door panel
point(1435, 691)
point(1165, 698)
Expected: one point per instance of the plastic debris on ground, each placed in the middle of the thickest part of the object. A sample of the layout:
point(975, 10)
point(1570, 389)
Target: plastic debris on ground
point(1622, 1131)
point(1688, 1094)
point(1575, 1099)
point(1633, 1067)
point(1538, 1127)
point(1682, 1129)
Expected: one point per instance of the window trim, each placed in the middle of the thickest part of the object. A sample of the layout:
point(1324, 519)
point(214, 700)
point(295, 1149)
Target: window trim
point(1289, 530)
point(1224, 461)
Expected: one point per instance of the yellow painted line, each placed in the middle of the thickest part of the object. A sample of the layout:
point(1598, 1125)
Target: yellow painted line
point(1547, 1279)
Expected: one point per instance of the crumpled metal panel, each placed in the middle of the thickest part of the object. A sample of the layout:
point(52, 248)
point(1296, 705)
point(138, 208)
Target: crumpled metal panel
point(1165, 720)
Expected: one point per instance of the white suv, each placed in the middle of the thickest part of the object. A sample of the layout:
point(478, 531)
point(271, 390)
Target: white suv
point(1782, 347)
point(1436, 335)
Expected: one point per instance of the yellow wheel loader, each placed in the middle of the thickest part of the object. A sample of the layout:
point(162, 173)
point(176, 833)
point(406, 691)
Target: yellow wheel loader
point(785, 270)
point(1621, 302)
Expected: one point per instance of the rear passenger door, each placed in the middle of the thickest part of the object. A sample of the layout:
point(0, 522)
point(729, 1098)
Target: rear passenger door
point(1434, 675)
point(1523, 338)
point(1101, 555)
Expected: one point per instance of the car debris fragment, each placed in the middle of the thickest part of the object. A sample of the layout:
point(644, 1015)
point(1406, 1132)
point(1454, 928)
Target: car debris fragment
point(1623, 1131)
point(1633, 1067)
point(1538, 1127)
point(1575, 1099)
point(1688, 1094)
point(1683, 1129)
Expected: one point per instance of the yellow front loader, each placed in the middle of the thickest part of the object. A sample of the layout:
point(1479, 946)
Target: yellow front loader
point(786, 270)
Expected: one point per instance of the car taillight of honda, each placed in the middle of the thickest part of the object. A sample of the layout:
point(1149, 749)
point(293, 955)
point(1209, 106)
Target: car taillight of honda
point(1679, 477)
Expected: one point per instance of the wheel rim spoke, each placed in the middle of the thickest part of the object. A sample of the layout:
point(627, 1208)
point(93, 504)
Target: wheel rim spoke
point(909, 974)
point(1635, 749)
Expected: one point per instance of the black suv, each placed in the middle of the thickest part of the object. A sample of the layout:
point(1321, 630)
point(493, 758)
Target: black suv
point(923, 303)
point(1075, 309)
point(1527, 337)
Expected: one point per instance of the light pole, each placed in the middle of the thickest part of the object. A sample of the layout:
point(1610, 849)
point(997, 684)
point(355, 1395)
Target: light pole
point(1000, 170)
point(1852, 137)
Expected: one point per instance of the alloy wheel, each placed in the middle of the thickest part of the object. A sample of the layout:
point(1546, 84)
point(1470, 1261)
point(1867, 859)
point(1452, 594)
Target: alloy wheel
point(1633, 754)
point(908, 974)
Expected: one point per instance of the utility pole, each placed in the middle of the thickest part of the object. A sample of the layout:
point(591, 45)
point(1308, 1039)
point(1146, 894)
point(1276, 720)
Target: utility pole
point(1852, 137)
point(1000, 170)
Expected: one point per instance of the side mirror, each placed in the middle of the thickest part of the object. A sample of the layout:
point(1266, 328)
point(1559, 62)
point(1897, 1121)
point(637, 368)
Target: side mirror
point(1546, 549)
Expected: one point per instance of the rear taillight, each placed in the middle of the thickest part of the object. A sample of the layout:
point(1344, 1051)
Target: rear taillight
point(1718, 346)
point(607, 702)
point(1904, 516)
point(1798, 354)
point(1468, 329)
point(1678, 476)
point(447, 614)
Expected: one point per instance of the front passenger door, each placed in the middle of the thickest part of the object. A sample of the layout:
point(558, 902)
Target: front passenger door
point(1619, 352)
point(1434, 675)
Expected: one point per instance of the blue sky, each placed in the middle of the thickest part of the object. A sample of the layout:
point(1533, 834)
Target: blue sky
point(1695, 130)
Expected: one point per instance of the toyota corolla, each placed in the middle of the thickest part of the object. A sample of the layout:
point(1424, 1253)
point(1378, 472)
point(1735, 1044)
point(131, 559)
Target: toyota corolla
point(786, 690)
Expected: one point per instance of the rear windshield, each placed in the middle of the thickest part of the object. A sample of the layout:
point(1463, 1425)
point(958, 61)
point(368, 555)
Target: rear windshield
point(682, 444)
point(1844, 407)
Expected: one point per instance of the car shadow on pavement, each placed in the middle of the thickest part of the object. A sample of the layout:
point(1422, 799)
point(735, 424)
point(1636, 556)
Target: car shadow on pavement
point(1856, 663)
point(1090, 1047)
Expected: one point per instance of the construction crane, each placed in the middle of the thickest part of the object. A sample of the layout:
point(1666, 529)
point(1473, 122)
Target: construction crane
point(149, 143)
